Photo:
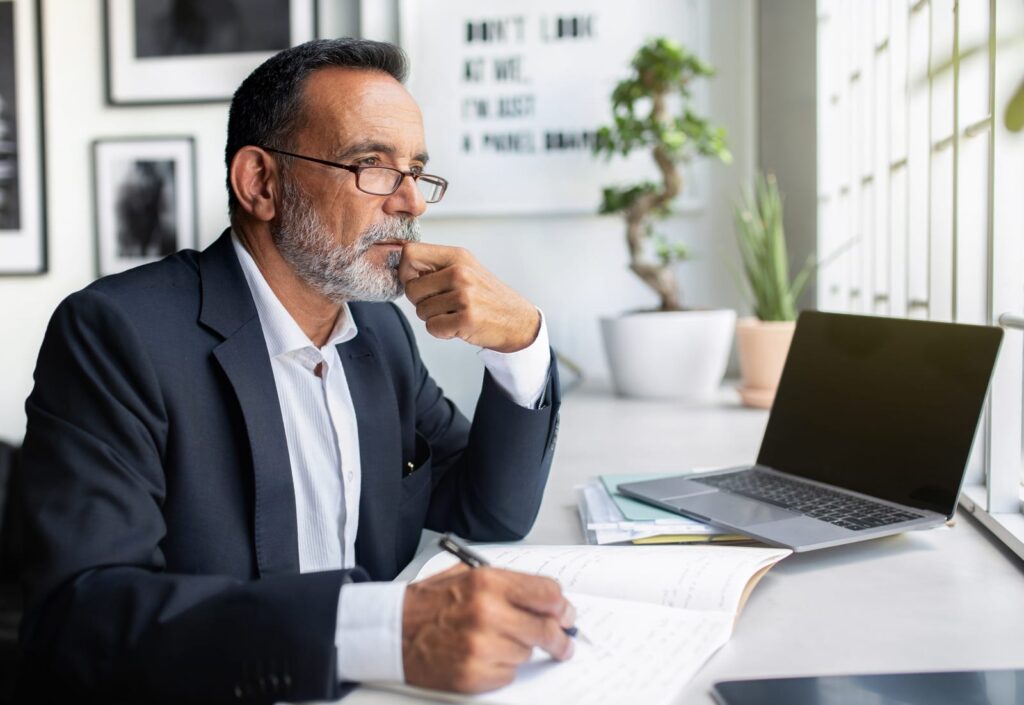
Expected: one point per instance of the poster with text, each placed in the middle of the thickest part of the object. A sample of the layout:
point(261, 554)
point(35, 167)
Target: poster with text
point(513, 94)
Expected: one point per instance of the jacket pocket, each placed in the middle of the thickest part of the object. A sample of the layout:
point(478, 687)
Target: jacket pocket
point(414, 502)
point(416, 473)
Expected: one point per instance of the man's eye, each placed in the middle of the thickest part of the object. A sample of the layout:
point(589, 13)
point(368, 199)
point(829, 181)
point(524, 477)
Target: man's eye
point(417, 170)
point(369, 161)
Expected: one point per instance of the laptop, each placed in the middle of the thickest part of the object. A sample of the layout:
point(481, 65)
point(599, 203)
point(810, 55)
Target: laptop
point(869, 435)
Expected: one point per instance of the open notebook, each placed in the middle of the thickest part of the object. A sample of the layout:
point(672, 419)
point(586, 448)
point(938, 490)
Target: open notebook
point(655, 615)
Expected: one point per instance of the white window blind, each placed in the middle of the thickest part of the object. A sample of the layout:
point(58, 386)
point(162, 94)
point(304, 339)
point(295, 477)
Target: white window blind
point(920, 180)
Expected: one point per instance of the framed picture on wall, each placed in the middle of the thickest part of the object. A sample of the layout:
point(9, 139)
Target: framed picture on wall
point(22, 188)
point(195, 51)
point(145, 200)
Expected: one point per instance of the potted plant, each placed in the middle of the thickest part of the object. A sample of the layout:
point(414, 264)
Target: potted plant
point(670, 351)
point(763, 340)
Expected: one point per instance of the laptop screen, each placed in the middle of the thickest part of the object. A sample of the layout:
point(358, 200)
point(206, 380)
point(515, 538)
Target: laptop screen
point(883, 406)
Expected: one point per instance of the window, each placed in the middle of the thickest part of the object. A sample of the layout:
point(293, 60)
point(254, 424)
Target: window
point(919, 188)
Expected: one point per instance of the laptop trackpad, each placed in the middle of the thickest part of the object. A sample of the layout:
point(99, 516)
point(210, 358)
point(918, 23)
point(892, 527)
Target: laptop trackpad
point(730, 509)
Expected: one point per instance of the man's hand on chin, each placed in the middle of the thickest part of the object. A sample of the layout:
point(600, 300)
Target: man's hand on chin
point(458, 298)
point(467, 630)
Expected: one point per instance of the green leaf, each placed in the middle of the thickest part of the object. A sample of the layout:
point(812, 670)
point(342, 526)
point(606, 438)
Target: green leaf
point(762, 244)
point(618, 200)
point(667, 251)
point(660, 68)
point(1014, 118)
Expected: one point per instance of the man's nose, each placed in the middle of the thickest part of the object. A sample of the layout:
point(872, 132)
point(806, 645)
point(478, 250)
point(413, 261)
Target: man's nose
point(408, 199)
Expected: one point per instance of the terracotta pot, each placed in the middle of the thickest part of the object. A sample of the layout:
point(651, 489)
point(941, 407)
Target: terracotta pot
point(762, 347)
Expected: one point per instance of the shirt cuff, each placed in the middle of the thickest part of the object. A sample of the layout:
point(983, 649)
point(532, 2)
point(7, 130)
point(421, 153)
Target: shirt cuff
point(523, 374)
point(368, 633)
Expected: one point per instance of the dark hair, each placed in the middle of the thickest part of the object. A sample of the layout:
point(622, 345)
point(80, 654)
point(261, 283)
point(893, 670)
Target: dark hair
point(267, 107)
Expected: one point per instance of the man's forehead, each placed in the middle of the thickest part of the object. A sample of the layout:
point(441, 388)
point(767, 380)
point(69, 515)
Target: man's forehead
point(351, 106)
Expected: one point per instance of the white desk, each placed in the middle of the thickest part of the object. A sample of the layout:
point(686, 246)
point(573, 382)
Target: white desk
point(943, 599)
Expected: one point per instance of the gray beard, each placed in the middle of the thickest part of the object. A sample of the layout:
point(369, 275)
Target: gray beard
point(339, 272)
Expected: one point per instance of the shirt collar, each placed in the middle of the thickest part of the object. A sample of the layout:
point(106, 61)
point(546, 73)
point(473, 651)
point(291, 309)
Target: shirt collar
point(282, 333)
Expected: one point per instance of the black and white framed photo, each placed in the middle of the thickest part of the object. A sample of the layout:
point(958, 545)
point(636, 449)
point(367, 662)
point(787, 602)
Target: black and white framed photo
point(145, 191)
point(195, 51)
point(22, 197)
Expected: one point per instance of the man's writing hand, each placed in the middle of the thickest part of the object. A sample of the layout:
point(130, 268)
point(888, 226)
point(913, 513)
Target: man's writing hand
point(467, 630)
point(458, 298)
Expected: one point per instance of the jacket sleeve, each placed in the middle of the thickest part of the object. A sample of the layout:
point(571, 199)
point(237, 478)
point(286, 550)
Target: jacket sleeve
point(103, 615)
point(488, 476)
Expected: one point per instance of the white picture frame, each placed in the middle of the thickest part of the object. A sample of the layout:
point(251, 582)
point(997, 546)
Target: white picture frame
point(145, 200)
point(152, 60)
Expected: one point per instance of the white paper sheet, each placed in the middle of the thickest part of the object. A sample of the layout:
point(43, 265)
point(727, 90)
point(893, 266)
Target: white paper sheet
point(692, 577)
point(640, 653)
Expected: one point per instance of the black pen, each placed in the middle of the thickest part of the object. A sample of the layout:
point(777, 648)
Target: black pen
point(475, 560)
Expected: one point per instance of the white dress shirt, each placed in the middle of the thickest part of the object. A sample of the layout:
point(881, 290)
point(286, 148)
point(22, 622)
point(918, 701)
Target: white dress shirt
point(321, 429)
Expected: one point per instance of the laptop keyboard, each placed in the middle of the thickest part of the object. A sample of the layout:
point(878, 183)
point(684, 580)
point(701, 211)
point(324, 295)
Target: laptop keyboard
point(821, 503)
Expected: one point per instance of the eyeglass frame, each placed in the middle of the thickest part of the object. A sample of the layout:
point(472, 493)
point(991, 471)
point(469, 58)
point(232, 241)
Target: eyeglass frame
point(357, 170)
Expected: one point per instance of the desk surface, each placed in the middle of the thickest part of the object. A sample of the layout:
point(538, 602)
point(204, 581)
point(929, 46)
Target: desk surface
point(942, 599)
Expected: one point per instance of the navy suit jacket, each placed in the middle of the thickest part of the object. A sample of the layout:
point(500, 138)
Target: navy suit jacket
point(161, 554)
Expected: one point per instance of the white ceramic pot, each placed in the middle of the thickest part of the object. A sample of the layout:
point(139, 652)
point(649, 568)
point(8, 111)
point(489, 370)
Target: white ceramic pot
point(762, 348)
point(669, 354)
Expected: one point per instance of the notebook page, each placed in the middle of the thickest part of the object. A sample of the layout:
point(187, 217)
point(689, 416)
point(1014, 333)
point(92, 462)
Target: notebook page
point(690, 577)
point(641, 653)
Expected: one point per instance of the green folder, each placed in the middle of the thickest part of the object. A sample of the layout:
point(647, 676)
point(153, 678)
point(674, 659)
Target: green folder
point(632, 509)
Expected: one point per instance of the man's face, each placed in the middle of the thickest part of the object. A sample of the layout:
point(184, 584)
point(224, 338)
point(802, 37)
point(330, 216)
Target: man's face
point(342, 241)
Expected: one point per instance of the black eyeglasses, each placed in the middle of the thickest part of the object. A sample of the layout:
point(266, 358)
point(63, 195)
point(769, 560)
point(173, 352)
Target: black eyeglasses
point(381, 180)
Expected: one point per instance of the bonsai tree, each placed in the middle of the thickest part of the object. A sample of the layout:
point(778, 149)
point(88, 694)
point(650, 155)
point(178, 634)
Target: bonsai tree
point(644, 118)
point(762, 240)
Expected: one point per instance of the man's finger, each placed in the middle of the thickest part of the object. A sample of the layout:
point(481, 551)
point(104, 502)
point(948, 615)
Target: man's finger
point(508, 650)
point(492, 610)
point(538, 594)
point(440, 304)
point(543, 598)
point(429, 284)
point(420, 257)
point(483, 678)
point(446, 326)
point(530, 629)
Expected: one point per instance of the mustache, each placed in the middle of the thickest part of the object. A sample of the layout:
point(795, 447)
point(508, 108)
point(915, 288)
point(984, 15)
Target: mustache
point(391, 229)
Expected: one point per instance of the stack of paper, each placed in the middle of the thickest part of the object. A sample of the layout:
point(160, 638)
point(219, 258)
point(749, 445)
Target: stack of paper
point(609, 517)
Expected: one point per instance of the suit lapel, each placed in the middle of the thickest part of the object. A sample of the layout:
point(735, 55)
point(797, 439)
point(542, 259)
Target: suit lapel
point(228, 309)
point(380, 452)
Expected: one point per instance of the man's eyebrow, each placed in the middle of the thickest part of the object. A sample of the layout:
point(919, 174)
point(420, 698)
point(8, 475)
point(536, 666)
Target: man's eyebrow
point(371, 146)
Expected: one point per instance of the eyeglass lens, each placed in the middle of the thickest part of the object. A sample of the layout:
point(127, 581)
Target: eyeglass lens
point(382, 182)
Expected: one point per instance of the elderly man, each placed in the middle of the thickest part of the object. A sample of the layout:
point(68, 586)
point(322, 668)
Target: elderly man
point(230, 452)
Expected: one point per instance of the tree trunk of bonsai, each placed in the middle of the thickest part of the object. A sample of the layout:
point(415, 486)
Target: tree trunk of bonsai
point(659, 277)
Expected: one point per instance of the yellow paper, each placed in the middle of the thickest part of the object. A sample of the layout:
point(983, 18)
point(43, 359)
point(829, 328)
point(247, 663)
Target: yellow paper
point(690, 538)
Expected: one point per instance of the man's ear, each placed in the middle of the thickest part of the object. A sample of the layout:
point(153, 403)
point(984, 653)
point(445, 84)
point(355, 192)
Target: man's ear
point(256, 182)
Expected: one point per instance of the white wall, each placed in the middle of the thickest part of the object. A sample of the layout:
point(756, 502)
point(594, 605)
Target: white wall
point(76, 114)
point(574, 268)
